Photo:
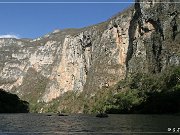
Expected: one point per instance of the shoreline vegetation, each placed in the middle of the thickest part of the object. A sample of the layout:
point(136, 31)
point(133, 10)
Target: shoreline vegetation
point(144, 93)
point(139, 93)
point(11, 103)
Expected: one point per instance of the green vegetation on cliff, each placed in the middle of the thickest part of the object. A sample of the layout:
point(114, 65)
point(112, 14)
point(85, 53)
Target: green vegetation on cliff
point(34, 85)
point(146, 93)
point(138, 93)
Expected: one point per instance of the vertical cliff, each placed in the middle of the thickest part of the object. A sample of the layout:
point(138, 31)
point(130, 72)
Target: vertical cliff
point(154, 36)
point(143, 38)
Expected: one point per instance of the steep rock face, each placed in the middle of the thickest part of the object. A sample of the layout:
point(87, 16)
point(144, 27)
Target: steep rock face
point(144, 38)
point(154, 36)
point(70, 60)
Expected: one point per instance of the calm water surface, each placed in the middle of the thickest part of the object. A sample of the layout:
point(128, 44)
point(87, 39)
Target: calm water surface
point(26, 124)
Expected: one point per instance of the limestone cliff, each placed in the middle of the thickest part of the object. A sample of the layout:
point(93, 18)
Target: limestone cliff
point(154, 36)
point(143, 38)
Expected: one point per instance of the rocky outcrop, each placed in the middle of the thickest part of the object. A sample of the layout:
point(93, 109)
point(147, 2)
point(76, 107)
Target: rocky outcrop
point(154, 31)
point(143, 38)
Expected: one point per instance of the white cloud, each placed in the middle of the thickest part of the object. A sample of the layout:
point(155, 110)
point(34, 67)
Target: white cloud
point(9, 36)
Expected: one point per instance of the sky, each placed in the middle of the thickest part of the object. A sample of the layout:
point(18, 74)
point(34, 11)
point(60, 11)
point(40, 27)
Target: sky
point(33, 20)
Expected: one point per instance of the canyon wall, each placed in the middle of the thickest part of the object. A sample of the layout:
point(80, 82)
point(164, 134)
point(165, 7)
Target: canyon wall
point(143, 38)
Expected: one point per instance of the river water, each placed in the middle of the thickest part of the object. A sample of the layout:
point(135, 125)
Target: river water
point(41, 124)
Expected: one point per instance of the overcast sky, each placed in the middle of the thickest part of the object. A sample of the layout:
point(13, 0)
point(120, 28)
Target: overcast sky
point(32, 20)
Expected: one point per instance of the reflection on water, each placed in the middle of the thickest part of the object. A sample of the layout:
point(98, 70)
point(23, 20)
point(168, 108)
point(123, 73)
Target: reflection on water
point(86, 124)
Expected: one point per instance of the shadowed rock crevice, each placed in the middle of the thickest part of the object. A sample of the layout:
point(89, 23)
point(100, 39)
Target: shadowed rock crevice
point(131, 32)
point(11, 103)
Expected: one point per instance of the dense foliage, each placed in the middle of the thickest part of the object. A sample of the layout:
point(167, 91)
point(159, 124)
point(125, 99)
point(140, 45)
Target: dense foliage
point(138, 93)
point(10, 103)
point(147, 93)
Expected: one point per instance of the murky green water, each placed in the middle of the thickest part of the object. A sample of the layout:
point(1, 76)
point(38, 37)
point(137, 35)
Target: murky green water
point(24, 124)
